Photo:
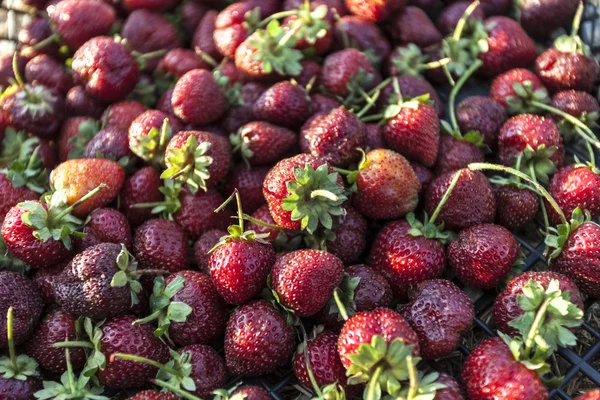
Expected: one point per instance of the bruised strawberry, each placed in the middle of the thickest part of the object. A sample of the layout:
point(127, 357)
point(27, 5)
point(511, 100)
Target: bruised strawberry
point(455, 154)
point(195, 214)
point(105, 68)
point(77, 21)
point(20, 294)
point(481, 114)
point(334, 137)
point(504, 89)
point(471, 202)
point(575, 186)
point(441, 314)
point(348, 68)
point(249, 183)
point(374, 11)
point(79, 103)
point(452, 13)
point(120, 115)
point(482, 255)
point(257, 340)
point(161, 244)
point(197, 98)
point(105, 225)
point(141, 187)
point(386, 186)
point(202, 246)
point(150, 133)
point(541, 19)
point(284, 104)
point(515, 207)
point(261, 143)
point(203, 39)
point(567, 70)
point(44, 70)
point(414, 26)
point(362, 34)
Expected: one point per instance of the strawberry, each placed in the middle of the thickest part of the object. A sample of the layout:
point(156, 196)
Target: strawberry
point(580, 105)
point(257, 340)
point(405, 260)
point(564, 70)
point(197, 99)
point(441, 314)
point(347, 71)
point(414, 26)
point(202, 246)
point(79, 103)
point(313, 27)
point(334, 137)
point(191, 13)
point(591, 395)
point(261, 143)
point(373, 289)
point(452, 13)
point(362, 34)
point(276, 234)
point(195, 214)
point(111, 144)
point(481, 114)
point(153, 395)
point(350, 236)
point(575, 186)
point(150, 132)
point(386, 186)
point(20, 295)
point(120, 115)
point(482, 255)
point(375, 138)
point(323, 104)
point(232, 25)
point(30, 35)
point(451, 391)
point(208, 369)
point(238, 116)
point(177, 62)
point(203, 39)
point(161, 244)
point(508, 89)
point(515, 206)
point(249, 183)
point(75, 134)
point(492, 368)
point(105, 68)
point(141, 187)
point(287, 187)
point(57, 326)
point(78, 177)
point(411, 87)
point(44, 70)
point(105, 225)
point(424, 175)
point(197, 158)
point(188, 308)
point(45, 280)
point(507, 305)
point(471, 201)
point(284, 104)
point(304, 280)
point(455, 154)
point(374, 11)
point(12, 195)
point(157, 5)
point(540, 20)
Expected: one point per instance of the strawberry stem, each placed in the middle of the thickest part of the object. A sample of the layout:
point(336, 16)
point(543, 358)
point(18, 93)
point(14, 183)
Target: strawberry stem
point(456, 89)
point(536, 185)
point(15, 67)
point(238, 200)
point(82, 200)
point(535, 326)
point(460, 26)
point(412, 378)
point(75, 343)
point(144, 360)
point(370, 101)
point(279, 15)
point(373, 383)
point(309, 370)
point(324, 193)
point(206, 57)
point(11, 341)
point(28, 51)
point(340, 304)
point(446, 196)
point(577, 20)
point(151, 54)
point(437, 64)
point(70, 372)
point(147, 319)
point(262, 223)
point(176, 390)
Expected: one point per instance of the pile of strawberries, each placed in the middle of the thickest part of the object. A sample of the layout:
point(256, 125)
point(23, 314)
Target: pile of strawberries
point(198, 191)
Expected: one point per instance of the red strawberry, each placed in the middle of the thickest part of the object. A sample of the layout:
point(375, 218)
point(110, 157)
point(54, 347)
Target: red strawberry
point(276, 236)
point(455, 154)
point(197, 98)
point(581, 105)
point(441, 314)
point(236, 117)
point(481, 114)
point(105, 225)
point(111, 144)
point(78, 21)
point(411, 87)
point(150, 133)
point(208, 369)
point(197, 158)
point(375, 11)
point(540, 20)
point(203, 39)
point(105, 68)
point(575, 186)
point(161, 244)
point(375, 138)
point(120, 115)
point(195, 212)
point(515, 207)
point(424, 175)
point(492, 371)
point(153, 395)
point(202, 246)
point(78, 177)
point(79, 103)
point(509, 47)
point(31, 34)
point(20, 294)
point(452, 13)
point(284, 104)
point(482, 255)
point(471, 202)
point(305, 280)
point(414, 26)
point(249, 183)
point(257, 340)
point(591, 395)
point(179, 61)
point(334, 137)
point(290, 180)
point(323, 104)
point(452, 390)
point(191, 13)
point(232, 26)
point(158, 5)
point(141, 187)
point(350, 236)
point(261, 143)
point(45, 280)
point(386, 186)
point(406, 260)
point(12, 195)
point(348, 68)
point(373, 289)
point(363, 34)
point(44, 70)
point(564, 70)
point(56, 327)
point(504, 90)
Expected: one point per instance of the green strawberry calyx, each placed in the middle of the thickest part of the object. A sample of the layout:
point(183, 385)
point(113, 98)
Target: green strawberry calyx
point(190, 164)
point(96, 359)
point(127, 274)
point(151, 147)
point(170, 205)
point(410, 60)
point(56, 222)
point(86, 132)
point(573, 43)
point(526, 98)
point(273, 297)
point(164, 308)
point(275, 49)
point(570, 131)
point(20, 162)
point(557, 237)
point(342, 301)
point(227, 394)
point(545, 324)
point(536, 163)
point(315, 196)
point(16, 367)
point(240, 143)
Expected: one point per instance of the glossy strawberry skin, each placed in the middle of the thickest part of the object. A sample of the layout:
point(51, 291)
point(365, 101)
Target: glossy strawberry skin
point(161, 244)
point(363, 32)
point(482, 114)
point(515, 207)
point(575, 103)
point(373, 289)
point(414, 26)
point(527, 129)
point(119, 335)
point(284, 104)
point(105, 225)
point(203, 245)
point(541, 19)
point(405, 260)
point(19, 292)
point(334, 137)
point(229, 30)
point(456, 154)
point(45, 279)
point(411, 87)
point(341, 67)
point(11, 195)
point(374, 11)
point(506, 307)
point(564, 71)
point(197, 98)
point(203, 38)
point(249, 183)
point(120, 115)
point(452, 391)
point(572, 187)
point(44, 70)
point(579, 259)
point(491, 372)
point(502, 85)
point(197, 215)
point(208, 369)
point(179, 61)
point(105, 68)
point(57, 326)
point(157, 5)
point(441, 314)
point(482, 255)
point(509, 47)
point(263, 214)
point(141, 187)
point(267, 142)
point(79, 103)
point(257, 340)
point(472, 201)
point(361, 328)
point(350, 236)
point(153, 395)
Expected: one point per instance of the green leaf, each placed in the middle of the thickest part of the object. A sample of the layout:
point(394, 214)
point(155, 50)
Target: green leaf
point(119, 279)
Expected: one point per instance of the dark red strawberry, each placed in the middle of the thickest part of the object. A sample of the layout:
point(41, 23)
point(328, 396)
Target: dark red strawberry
point(203, 40)
point(287, 187)
point(202, 246)
point(455, 154)
point(197, 158)
point(261, 143)
point(350, 236)
point(482, 255)
point(441, 314)
point(56, 327)
point(362, 34)
point(257, 340)
point(105, 68)
point(309, 77)
point(347, 69)
point(76, 21)
point(424, 175)
point(179, 61)
point(105, 225)
point(158, 5)
point(12, 195)
point(197, 98)
point(153, 395)
point(249, 183)
point(375, 11)
point(33, 33)
point(471, 202)
point(580, 105)
point(509, 47)
point(334, 137)
point(236, 117)
point(141, 187)
point(406, 260)
point(515, 207)
point(386, 186)
point(150, 133)
point(79, 103)
point(375, 138)
point(208, 370)
point(504, 90)
point(540, 20)
point(284, 104)
point(414, 26)
point(232, 25)
point(507, 308)
point(20, 294)
point(481, 114)
point(411, 87)
point(45, 70)
point(111, 144)
point(323, 104)
point(491, 367)
point(575, 186)
point(561, 70)
point(452, 390)
point(120, 115)
point(373, 289)
point(45, 279)
point(452, 13)
point(191, 13)
point(275, 233)
point(161, 244)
